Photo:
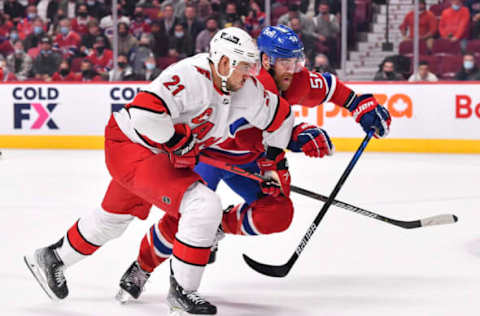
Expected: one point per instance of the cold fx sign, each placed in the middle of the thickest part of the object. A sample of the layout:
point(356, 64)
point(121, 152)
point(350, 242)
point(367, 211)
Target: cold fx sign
point(35, 102)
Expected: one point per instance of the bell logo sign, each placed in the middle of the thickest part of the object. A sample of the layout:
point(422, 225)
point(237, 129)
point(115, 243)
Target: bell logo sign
point(464, 108)
point(399, 105)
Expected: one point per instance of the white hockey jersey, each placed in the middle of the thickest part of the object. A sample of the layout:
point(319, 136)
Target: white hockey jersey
point(185, 93)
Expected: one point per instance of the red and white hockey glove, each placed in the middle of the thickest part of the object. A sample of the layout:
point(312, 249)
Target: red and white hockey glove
point(275, 168)
point(366, 111)
point(181, 148)
point(312, 140)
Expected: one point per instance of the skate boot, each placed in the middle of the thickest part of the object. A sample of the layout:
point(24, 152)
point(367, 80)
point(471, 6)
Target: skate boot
point(47, 269)
point(132, 283)
point(185, 303)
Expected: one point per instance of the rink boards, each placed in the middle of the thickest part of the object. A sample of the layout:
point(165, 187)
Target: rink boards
point(437, 118)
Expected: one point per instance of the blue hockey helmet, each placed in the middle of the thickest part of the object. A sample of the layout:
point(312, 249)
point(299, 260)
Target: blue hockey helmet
point(280, 42)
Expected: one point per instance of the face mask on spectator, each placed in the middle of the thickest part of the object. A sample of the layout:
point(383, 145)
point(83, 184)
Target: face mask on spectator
point(19, 51)
point(13, 36)
point(150, 66)
point(455, 7)
point(123, 34)
point(468, 64)
point(82, 14)
point(37, 30)
point(178, 34)
point(64, 71)
point(31, 16)
point(100, 49)
point(64, 30)
point(90, 2)
point(122, 64)
point(88, 73)
point(138, 16)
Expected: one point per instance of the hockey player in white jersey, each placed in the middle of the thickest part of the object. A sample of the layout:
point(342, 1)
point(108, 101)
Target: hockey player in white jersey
point(151, 147)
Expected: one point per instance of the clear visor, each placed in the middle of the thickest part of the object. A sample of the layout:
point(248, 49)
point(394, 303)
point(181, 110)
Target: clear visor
point(294, 64)
point(245, 68)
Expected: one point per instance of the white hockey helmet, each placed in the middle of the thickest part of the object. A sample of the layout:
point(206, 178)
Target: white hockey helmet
point(238, 46)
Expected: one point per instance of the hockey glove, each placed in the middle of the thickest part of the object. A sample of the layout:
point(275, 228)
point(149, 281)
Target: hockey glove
point(366, 111)
point(312, 140)
point(275, 168)
point(181, 148)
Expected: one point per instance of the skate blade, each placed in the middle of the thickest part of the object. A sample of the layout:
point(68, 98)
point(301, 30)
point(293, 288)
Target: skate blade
point(38, 275)
point(123, 297)
point(177, 312)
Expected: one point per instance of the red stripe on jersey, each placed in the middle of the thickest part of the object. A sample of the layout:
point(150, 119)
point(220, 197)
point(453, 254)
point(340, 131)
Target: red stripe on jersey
point(149, 101)
point(281, 113)
point(341, 94)
point(197, 256)
point(79, 243)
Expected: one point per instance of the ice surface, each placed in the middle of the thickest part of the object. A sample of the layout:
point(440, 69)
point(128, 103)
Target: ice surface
point(353, 265)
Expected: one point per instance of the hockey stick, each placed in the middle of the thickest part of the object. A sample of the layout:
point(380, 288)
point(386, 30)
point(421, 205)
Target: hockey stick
point(428, 221)
point(282, 270)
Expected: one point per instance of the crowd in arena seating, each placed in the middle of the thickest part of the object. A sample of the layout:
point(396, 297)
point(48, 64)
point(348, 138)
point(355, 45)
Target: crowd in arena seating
point(72, 40)
point(449, 44)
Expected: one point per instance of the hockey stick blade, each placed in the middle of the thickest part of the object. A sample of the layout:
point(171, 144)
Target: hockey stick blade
point(439, 220)
point(273, 271)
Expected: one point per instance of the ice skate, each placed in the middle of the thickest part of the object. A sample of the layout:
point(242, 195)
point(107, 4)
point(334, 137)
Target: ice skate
point(186, 303)
point(132, 283)
point(47, 269)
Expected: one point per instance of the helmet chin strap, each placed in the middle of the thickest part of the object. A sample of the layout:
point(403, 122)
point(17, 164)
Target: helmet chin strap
point(224, 79)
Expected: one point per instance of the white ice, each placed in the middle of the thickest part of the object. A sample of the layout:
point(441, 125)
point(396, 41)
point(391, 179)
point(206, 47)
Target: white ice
point(353, 265)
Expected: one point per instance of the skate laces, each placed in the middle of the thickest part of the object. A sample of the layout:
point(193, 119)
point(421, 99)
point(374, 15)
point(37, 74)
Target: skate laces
point(59, 277)
point(194, 297)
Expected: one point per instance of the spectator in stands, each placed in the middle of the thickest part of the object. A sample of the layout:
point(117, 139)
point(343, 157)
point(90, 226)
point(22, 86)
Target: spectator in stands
point(140, 23)
point(181, 42)
point(387, 72)
point(67, 41)
point(469, 70)
point(70, 8)
point(423, 73)
point(139, 54)
point(126, 41)
point(87, 72)
point(14, 9)
point(25, 25)
point(47, 61)
point(454, 22)
point(34, 37)
point(149, 72)
point(427, 25)
point(168, 20)
point(80, 22)
point(474, 7)
point(178, 7)
point(101, 57)
point(294, 12)
point(5, 25)
point(5, 74)
point(230, 16)
point(307, 38)
point(97, 9)
point(191, 24)
point(327, 28)
point(204, 10)
point(19, 63)
point(159, 40)
point(124, 72)
point(64, 73)
point(88, 40)
point(203, 39)
point(321, 64)
point(106, 23)
point(6, 45)
point(255, 20)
